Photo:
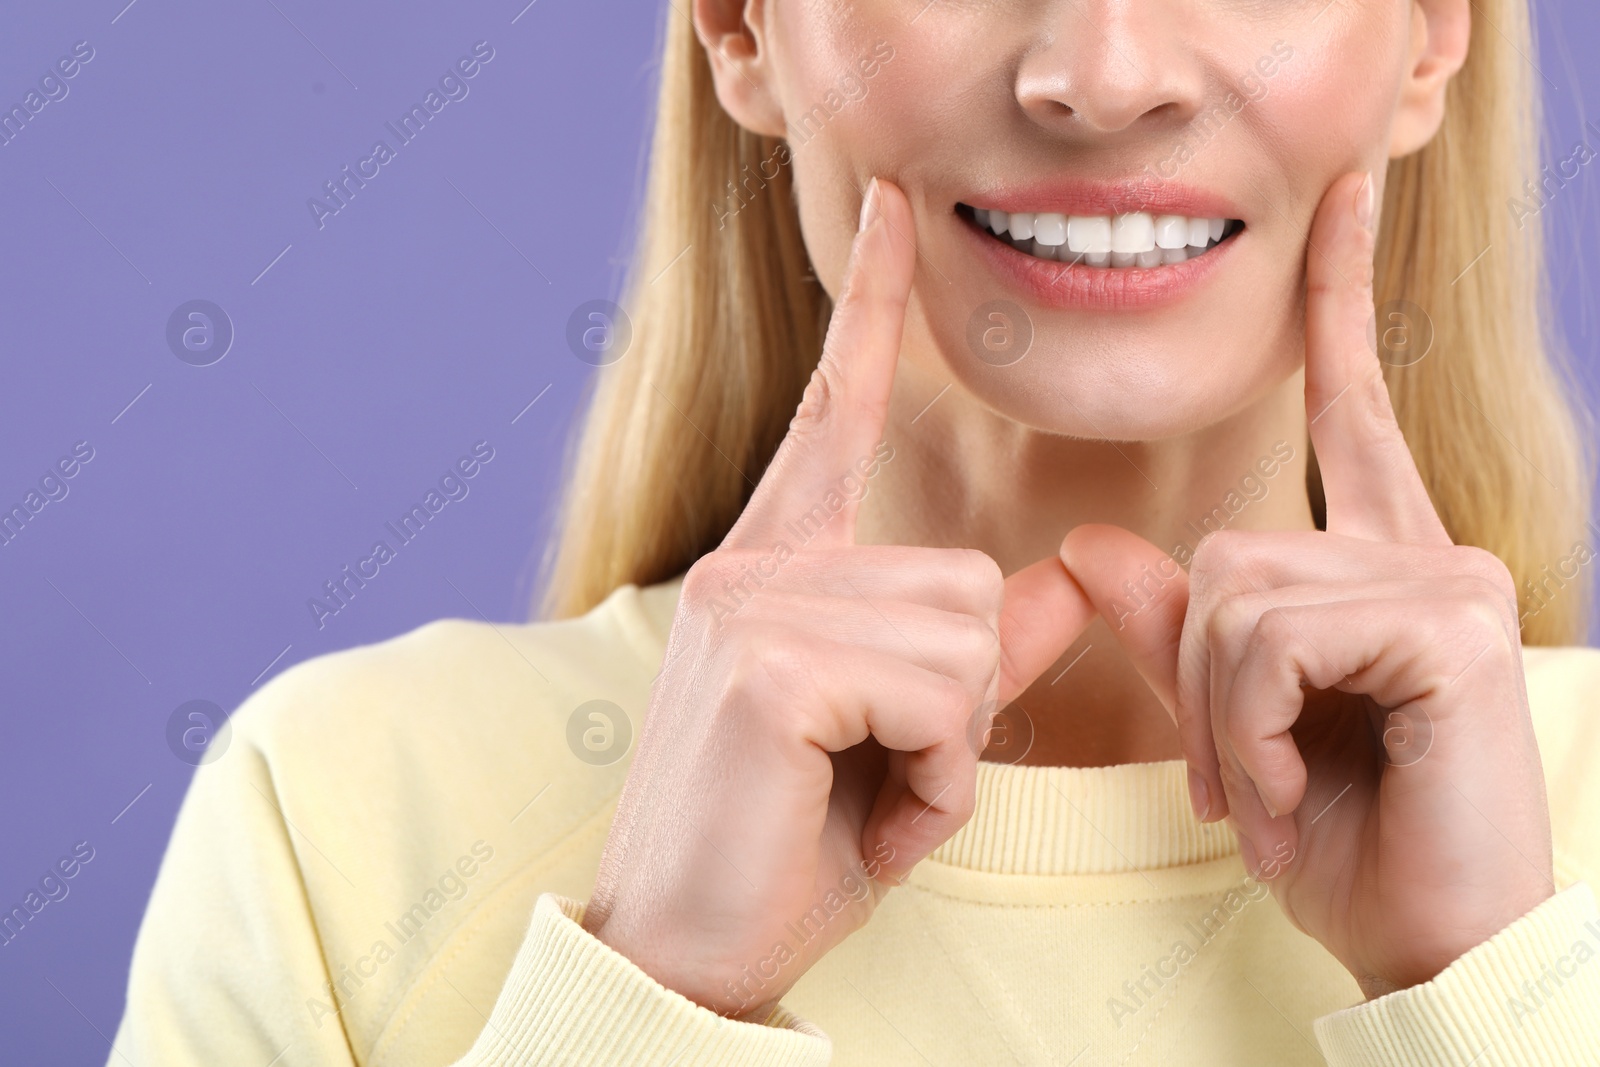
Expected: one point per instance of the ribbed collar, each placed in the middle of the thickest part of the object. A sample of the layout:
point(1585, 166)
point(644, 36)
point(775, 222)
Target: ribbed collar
point(1052, 820)
point(1083, 820)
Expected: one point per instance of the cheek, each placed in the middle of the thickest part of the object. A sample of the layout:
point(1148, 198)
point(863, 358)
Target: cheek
point(1328, 109)
point(866, 95)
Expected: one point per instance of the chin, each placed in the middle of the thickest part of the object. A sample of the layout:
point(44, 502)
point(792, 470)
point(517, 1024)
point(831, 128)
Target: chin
point(1117, 384)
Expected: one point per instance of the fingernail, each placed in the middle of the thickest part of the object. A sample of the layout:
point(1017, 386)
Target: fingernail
point(1199, 795)
point(1266, 803)
point(1365, 202)
point(869, 205)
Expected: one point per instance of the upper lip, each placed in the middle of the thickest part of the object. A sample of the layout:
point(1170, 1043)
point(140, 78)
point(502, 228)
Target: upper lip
point(1107, 198)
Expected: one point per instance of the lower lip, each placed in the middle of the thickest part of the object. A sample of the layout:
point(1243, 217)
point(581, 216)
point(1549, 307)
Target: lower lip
point(1057, 284)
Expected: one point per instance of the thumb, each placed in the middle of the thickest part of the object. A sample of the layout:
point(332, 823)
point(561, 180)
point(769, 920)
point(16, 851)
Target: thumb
point(1143, 595)
point(1043, 612)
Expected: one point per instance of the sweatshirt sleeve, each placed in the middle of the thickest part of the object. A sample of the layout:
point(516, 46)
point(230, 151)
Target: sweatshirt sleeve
point(570, 998)
point(229, 966)
point(1529, 995)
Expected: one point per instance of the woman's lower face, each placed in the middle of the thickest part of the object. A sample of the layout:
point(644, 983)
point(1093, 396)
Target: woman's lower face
point(1112, 199)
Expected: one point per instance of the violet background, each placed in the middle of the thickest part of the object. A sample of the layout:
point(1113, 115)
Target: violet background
point(372, 353)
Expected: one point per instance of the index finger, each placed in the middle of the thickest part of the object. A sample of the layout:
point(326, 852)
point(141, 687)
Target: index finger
point(1369, 479)
point(817, 477)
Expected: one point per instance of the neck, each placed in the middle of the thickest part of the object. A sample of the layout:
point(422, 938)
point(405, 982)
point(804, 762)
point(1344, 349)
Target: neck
point(965, 476)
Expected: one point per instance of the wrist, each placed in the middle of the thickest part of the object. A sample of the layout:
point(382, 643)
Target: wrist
point(1428, 961)
point(667, 969)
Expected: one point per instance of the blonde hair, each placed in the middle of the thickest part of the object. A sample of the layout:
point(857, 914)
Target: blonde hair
point(728, 322)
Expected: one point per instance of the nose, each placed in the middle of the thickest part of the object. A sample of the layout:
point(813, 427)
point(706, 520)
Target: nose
point(1109, 66)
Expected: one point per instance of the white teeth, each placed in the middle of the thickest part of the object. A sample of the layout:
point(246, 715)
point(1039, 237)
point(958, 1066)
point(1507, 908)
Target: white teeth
point(1089, 233)
point(1133, 239)
point(1134, 232)
point(1172, 231)
point(1050, 229)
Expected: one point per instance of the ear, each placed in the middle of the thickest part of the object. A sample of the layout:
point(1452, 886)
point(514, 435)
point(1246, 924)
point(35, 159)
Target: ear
point(734, 35)
point(1440, 31)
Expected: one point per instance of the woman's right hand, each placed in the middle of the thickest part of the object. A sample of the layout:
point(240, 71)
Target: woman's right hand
point(815, 729)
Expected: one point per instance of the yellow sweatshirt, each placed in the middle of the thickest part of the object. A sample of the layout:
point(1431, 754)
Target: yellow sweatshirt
point(387, 862)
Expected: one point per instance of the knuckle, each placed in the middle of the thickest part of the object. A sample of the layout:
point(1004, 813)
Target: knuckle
point(1482, 608)
point(979, 648)
point(1231, 617)
point(1274, 633)
point(703, 582)
point(1490, 569)
point(1217, 558)
point(979, 578)
point(953, 706)
point(765, 667)
point(697, 580)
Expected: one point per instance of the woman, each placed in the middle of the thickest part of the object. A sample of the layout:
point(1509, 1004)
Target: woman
point(1098, 436)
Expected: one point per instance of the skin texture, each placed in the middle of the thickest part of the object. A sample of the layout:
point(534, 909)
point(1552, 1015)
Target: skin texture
point(1362, 683)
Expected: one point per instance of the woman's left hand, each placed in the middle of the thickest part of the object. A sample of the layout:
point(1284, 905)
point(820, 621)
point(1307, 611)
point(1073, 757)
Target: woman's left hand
point(1352, 701)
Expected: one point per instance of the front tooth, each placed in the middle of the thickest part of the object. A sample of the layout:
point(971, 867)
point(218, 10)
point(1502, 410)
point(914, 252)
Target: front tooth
point(1199, 233)
point(1022, 225)
point(1050, 228)
point(1171, 256)
point(1089, 233)
point(999, 221)
point(1123, 259)
point(1097, 259)
point(1172, 231)
point(1133, 232)
point(1151, 258)
point(1214, 226)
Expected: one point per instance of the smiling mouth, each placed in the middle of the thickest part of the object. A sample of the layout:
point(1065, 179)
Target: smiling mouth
point(1136, 239)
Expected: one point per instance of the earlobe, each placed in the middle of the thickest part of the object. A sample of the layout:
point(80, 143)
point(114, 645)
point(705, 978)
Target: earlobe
point(733, 34)
point(1440, 33)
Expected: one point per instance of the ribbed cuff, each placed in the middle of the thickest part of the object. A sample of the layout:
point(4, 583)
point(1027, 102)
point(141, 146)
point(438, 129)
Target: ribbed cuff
point(1529, 995)
point(572, 999)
